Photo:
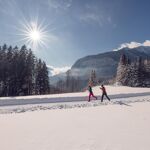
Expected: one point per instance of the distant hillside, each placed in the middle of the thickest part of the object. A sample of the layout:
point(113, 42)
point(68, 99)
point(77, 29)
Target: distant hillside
point(105, 64)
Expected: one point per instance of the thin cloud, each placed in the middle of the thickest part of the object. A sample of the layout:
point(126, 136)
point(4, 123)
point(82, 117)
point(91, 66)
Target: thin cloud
point(133, 45)
point(58, 70)
point(59, 5)
point(94, 15)
point(92, 18)
point(10, 5)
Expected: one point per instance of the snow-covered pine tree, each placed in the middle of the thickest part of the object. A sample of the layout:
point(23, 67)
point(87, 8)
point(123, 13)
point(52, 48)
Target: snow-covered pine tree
point(147, 72)
point(92, 79)
point(38, 80)
point(21, 71)
point(17, 71)
point(141, 72)
point(68, 81)
point(122, 71)
point(30, 72)
point(46, 84)
point(133, 74)
point(3, 72)
point(9, 73)
point(42, 79)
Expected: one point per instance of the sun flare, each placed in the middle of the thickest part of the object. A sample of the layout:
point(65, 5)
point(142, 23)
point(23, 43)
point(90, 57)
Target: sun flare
point(34, 34)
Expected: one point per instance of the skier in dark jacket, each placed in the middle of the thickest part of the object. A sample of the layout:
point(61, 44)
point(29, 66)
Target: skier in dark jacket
point(91, 93)
point(104, 93)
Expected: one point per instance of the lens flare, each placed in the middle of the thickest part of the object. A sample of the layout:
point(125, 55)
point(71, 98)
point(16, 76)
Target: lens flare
point(34, 34)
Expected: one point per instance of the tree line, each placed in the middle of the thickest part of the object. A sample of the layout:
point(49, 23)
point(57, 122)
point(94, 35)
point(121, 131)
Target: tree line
point(133, 73)
point(21, 73)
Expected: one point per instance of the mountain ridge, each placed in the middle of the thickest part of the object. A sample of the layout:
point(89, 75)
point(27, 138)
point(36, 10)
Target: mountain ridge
point(105, 64)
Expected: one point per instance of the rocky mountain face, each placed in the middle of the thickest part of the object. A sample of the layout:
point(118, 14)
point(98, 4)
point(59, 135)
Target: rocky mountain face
point(104, 64)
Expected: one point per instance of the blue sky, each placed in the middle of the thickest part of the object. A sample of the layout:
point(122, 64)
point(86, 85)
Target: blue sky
point(76, 28)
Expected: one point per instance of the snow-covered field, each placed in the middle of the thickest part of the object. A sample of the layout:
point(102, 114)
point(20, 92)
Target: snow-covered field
point(118, 95)
point(122, 124)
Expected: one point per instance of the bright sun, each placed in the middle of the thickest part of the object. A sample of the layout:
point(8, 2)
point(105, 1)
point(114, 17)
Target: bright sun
point(34, 34)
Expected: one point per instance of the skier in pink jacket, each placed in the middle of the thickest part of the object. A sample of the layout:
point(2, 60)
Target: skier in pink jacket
point(91, 93)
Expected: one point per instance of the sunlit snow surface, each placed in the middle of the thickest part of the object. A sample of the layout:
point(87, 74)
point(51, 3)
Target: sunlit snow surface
point(119, 95)
point(122, 124)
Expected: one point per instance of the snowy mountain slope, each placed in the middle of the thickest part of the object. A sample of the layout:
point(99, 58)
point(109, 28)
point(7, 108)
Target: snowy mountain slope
point(105, 64)
point(144, 49)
